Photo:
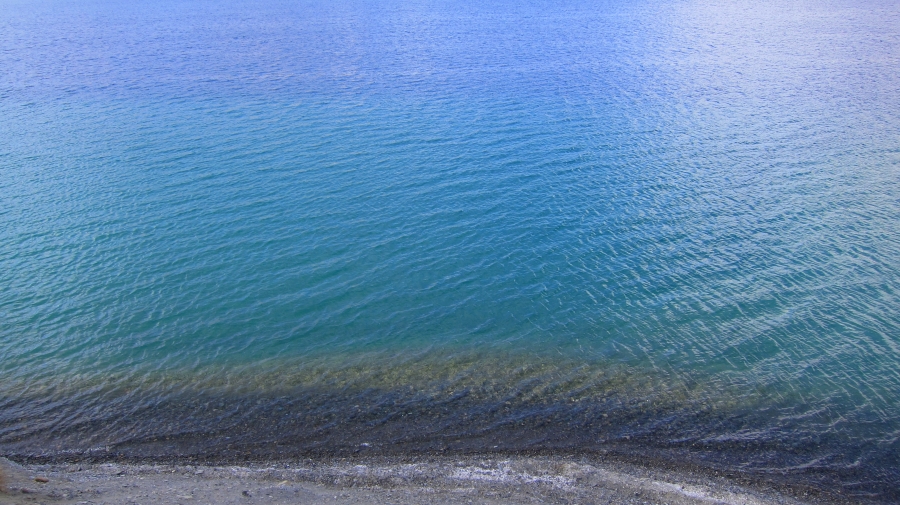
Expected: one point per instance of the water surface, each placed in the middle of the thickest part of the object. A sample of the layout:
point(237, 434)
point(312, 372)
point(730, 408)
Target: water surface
point(663, 229)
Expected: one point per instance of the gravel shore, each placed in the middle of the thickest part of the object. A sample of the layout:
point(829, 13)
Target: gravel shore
point(462, 480)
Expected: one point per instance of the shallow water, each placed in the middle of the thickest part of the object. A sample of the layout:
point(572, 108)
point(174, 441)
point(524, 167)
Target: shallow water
point(262, 230)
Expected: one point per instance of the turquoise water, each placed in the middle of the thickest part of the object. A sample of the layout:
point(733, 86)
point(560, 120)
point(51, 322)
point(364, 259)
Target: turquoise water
point(659, 229)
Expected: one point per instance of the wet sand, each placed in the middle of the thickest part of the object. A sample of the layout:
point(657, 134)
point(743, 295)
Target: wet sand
point(441, 480)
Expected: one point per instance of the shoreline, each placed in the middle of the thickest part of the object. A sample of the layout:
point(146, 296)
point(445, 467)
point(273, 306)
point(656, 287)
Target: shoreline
point(403, 480)
point(462, 418)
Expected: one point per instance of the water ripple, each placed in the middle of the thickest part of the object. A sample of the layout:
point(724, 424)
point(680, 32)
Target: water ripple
point(658, 229)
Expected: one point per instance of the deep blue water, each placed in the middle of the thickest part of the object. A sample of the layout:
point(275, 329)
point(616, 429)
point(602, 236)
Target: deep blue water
point(268, 229)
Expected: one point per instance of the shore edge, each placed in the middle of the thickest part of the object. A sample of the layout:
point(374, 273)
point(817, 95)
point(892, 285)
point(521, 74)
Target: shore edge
point(437, 480)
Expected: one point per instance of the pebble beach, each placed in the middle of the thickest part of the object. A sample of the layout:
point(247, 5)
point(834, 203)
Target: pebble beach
point(520, 480)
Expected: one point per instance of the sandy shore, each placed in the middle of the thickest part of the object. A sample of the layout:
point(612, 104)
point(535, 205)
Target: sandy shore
point(461, 480)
